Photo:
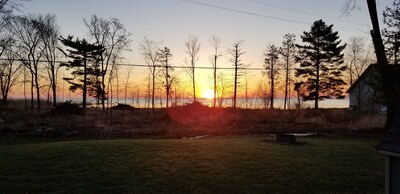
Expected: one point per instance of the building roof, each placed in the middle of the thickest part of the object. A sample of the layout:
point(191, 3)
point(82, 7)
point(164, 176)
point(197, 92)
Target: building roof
point(373, 68)
point(370, 68)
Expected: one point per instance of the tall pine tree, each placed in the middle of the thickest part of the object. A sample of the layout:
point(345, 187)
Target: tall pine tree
point(271, 67)
point(84, 61)
point(164, 59)
point(321, 63)
point(391, 34)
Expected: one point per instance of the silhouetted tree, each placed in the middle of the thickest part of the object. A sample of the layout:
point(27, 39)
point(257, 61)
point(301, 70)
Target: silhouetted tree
point(28, 40)
point(271, 67)
point(236, 52)
point(223, 87)
point(149, 50)
point(216, 44)
point(164, 58)
point(300, 91)
point(113, 36)
point(388, 80)
point(288, 51)
point(321, 62)
point(49, 33)
point(358, 58)
point(355, 47)
point(391, 17)
point(8, 71)
point(85, 57)
point(128, 75)
point(192, 48)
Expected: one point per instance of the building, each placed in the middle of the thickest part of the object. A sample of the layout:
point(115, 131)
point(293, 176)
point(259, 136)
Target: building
point(363, 93)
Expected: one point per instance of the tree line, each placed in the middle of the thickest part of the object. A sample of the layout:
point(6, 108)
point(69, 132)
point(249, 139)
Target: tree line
point(316, 69)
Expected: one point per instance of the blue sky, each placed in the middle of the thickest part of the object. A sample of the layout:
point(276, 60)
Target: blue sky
point(172, 21)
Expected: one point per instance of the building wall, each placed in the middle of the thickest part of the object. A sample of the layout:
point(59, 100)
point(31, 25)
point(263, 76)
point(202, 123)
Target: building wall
point(362, 96)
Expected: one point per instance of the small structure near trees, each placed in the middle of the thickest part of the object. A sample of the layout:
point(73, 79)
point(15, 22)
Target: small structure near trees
point(366, 93)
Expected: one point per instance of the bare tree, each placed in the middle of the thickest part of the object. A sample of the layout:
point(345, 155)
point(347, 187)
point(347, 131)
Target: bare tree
point(8, 74)
point(29, 39)
point(288, 50)
point(263, 94)
point(355, 49)
point(49, 33)
point(216, 44)
point(164, 58)
point(271, 67)
point(388, 80)
point(192, 48)
point(236, 52)
point(223, 88)
point(113, 36)
point(128, 74)
point(149, 50)
point(246, 74)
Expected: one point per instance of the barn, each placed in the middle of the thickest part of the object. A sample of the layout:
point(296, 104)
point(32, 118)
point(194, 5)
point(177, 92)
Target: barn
point(363, 95)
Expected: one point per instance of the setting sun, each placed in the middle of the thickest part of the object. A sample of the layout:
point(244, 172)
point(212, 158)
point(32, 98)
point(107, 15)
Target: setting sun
point(209, 94)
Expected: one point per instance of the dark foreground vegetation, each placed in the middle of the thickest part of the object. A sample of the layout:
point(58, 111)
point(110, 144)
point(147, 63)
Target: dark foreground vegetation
point(176, 122)
point(188, 149)
point(236, 164)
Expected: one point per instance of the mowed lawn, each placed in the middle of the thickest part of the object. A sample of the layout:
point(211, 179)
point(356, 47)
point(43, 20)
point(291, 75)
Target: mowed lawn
point(241, 164)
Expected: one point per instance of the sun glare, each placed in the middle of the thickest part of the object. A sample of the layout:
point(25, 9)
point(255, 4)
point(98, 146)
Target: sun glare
point(209, 94)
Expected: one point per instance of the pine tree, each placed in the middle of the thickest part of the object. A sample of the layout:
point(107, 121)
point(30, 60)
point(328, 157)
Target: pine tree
point(391, 34)
point(321, 63)
point(85, 57)
point(288, 50)
point(236, 52)
point(271, 66)
point(164, 58)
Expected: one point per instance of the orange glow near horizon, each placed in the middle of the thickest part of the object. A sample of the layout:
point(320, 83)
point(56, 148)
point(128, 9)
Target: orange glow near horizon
point(209, 94)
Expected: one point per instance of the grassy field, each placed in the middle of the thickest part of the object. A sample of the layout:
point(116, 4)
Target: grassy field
point(239, 164)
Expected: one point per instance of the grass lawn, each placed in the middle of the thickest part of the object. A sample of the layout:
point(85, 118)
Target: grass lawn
point(241, 164)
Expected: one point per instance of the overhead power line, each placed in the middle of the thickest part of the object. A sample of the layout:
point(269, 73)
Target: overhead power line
point(305, 13)
point(159, 66)
point(256, 14)
point(244, 12)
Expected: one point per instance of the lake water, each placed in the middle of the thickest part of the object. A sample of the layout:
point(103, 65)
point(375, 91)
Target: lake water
point(254, 103)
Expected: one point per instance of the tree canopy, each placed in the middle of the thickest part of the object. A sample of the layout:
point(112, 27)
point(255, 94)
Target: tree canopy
point(321, 63)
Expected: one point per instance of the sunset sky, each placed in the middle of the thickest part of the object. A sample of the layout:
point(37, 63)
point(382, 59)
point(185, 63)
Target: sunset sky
point(258, 22)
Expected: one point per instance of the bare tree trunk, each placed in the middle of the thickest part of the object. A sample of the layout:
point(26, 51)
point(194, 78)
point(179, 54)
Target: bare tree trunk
point(286, 82)
point(215, 80)
point(236, 76)
point(272, 85)
point(84, 82)
point(193, 83)
point(393, 109)
point(53, 86)
point(32, 86)
point(25, 98)
point(117, 79)
point(153, 87)
point(37, 89)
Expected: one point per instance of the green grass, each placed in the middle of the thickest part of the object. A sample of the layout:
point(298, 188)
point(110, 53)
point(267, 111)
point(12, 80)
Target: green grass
point(213, 165)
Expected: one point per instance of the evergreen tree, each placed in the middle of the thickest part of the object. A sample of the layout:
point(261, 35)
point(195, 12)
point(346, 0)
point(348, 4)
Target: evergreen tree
point(321, 63)
point(288, 50)
point(391, 34)
point(85, 62)
point(164, 58)
point(271, 66)
point(236, 52)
